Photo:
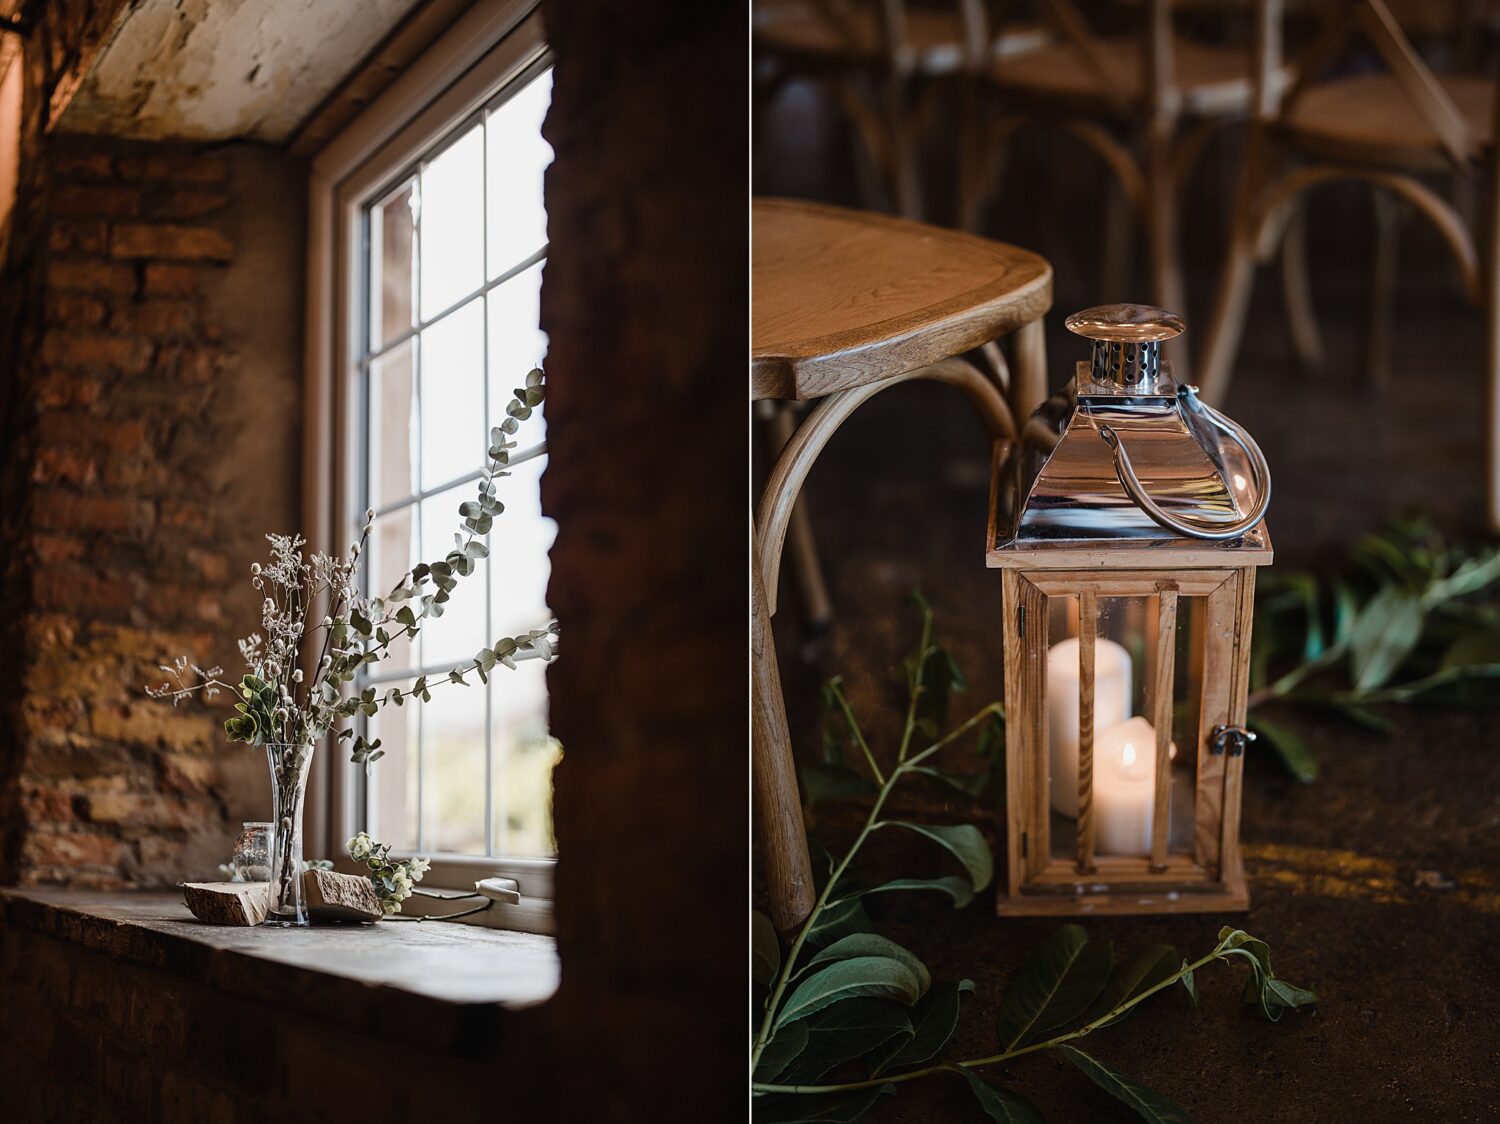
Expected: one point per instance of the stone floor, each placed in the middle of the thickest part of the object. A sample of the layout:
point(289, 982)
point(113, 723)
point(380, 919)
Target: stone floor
point(1409, 977)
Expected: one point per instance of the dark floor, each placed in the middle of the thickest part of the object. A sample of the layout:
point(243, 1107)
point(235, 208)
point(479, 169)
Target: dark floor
point(1409, 978)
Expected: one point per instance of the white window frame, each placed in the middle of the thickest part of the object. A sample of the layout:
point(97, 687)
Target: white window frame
point(492, 44)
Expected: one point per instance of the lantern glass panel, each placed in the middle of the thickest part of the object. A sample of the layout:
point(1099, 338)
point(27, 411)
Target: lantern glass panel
point(1122, 794)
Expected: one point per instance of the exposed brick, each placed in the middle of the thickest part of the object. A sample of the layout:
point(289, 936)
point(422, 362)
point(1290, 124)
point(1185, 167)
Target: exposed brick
point(185, 167)
point(154, 318)
point(57, 510)
point(70, 588)
point(168, 240)
point(46, 803)
point(83, 237)
point(91, 201)
point(144, 809)
point(46, 847)
point(185, 514)
point(60, 391)
point(64, 466)
point(193, 203)
point(186, 772)
point(83, 165)
point(64, 429)
point(151, 725)
point(73, 311)
point(50, 549)
point(128, 354)
point(91, 277)
point(170, 280)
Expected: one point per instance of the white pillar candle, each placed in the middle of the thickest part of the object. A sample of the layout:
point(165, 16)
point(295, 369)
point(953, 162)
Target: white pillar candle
point(1125, 788)
point(1111, 707)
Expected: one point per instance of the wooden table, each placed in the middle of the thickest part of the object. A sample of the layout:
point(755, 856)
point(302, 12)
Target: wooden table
point(846, 304)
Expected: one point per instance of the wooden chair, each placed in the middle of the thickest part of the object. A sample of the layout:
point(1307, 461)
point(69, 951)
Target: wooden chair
point(845, 305)
point(1388, 129)
point(879, 61)
point(1146, 105)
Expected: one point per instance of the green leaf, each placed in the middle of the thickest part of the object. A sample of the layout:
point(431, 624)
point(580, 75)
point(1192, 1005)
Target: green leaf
point(765, 949)
point(963, 841)
point(959, 889)
point(823, 781)
point(870, 944)
point(847, 1031)
point(1474, 648)
point(1263, 991)
point(1294, 752)
point(877, 976)
point(1000, 1105)
point(817, 1108)
point(1148, 1104)
point(970, 784)
point(1055, 986)
point(933, 1021)
point(838, 920)
point(1141, 972)
point(1471, 576)
point(1386, 631)
point(1189, 986)
point(781, 1051)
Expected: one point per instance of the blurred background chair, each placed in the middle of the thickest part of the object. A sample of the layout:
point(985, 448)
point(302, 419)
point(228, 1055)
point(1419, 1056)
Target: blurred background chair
point(883, 63)
point(1145, 99)
point(847, 304)
point(1395, 128)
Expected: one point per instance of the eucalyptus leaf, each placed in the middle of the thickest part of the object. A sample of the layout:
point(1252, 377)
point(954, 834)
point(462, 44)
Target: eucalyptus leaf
point(781, 1051)
point(1140, 972)
point(1147, 1103)
point(846, 1031)
point(877, 976)
point(838, 920)
point(963, 841)
point(1055, 986)
point(1000, 1105)
point(1289, 745)
point(933, 1021)
point(817, 1108)
point(765, 949)
point(961, 890)
point(870, 944)
point(1384, 635)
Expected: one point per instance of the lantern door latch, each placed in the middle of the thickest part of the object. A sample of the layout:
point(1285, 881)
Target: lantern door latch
point(1234, 739)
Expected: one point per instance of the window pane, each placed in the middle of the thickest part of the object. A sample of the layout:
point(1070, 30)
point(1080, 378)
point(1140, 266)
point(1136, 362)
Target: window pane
point(454, 779)
point(452, 223)
point(453, 429)
point(391, 556)
point(461, 631)
point(524, 758)
point(517, 343)
point(393, 779)
point(519, 542)
point(392, 410)
point(393, 276)
point(517, 157)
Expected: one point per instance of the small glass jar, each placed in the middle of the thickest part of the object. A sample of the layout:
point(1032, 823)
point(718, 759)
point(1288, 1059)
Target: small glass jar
point(252, 852)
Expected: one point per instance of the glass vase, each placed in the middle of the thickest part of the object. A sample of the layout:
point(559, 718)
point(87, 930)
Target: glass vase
point(289, 763)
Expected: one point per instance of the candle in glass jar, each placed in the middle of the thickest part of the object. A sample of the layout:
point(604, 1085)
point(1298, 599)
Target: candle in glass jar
point(1112, 670)
point(1125, 788)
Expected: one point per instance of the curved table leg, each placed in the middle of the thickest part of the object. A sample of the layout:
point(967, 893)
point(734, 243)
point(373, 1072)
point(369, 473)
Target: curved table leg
point(783, 834)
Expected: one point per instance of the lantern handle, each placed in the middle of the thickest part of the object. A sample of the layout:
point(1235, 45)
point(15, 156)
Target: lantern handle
point(1188, 396)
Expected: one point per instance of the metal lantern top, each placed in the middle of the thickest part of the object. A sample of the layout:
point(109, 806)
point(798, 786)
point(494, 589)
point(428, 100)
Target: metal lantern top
point(1125, 455)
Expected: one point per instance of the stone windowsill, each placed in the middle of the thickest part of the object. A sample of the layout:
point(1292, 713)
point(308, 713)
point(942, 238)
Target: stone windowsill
point(456, 986)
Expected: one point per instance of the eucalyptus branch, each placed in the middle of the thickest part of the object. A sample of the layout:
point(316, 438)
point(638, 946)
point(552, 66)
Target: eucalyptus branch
point(836, 689)
point(924, 652)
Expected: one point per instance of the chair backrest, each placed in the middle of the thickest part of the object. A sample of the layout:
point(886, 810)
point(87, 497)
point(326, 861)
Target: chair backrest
point(1372, 19)
point(883, 28)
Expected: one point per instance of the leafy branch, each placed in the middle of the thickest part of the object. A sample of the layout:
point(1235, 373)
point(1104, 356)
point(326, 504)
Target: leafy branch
point(1403, 622)
point(863, 1002)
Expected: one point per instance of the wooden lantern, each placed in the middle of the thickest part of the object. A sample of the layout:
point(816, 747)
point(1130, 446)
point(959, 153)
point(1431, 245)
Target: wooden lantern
point(1127, 523)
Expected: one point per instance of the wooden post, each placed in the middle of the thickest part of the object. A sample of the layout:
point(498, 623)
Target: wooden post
point(1161, 691)
point(1029, 377)
point(1088, 627)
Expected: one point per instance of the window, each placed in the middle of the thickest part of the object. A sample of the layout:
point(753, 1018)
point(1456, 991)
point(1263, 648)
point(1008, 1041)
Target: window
point(435, 252)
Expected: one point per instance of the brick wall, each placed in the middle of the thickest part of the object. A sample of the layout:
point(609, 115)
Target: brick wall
point(127, 539)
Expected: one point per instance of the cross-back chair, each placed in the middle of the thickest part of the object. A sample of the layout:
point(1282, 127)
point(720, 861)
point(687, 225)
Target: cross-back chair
point(1389, 128)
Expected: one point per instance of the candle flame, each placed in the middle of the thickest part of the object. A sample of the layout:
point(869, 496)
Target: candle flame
point(1129, 754)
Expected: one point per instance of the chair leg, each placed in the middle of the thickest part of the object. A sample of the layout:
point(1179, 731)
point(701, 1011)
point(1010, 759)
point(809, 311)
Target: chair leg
point(1296, 284)
point(817, 605)
point(778, 806)
point(1231, 302)
point(1384, 245)
point(1028, 388)
point(905, 155)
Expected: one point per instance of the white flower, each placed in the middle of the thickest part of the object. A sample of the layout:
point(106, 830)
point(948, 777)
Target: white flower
point(360, 847)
